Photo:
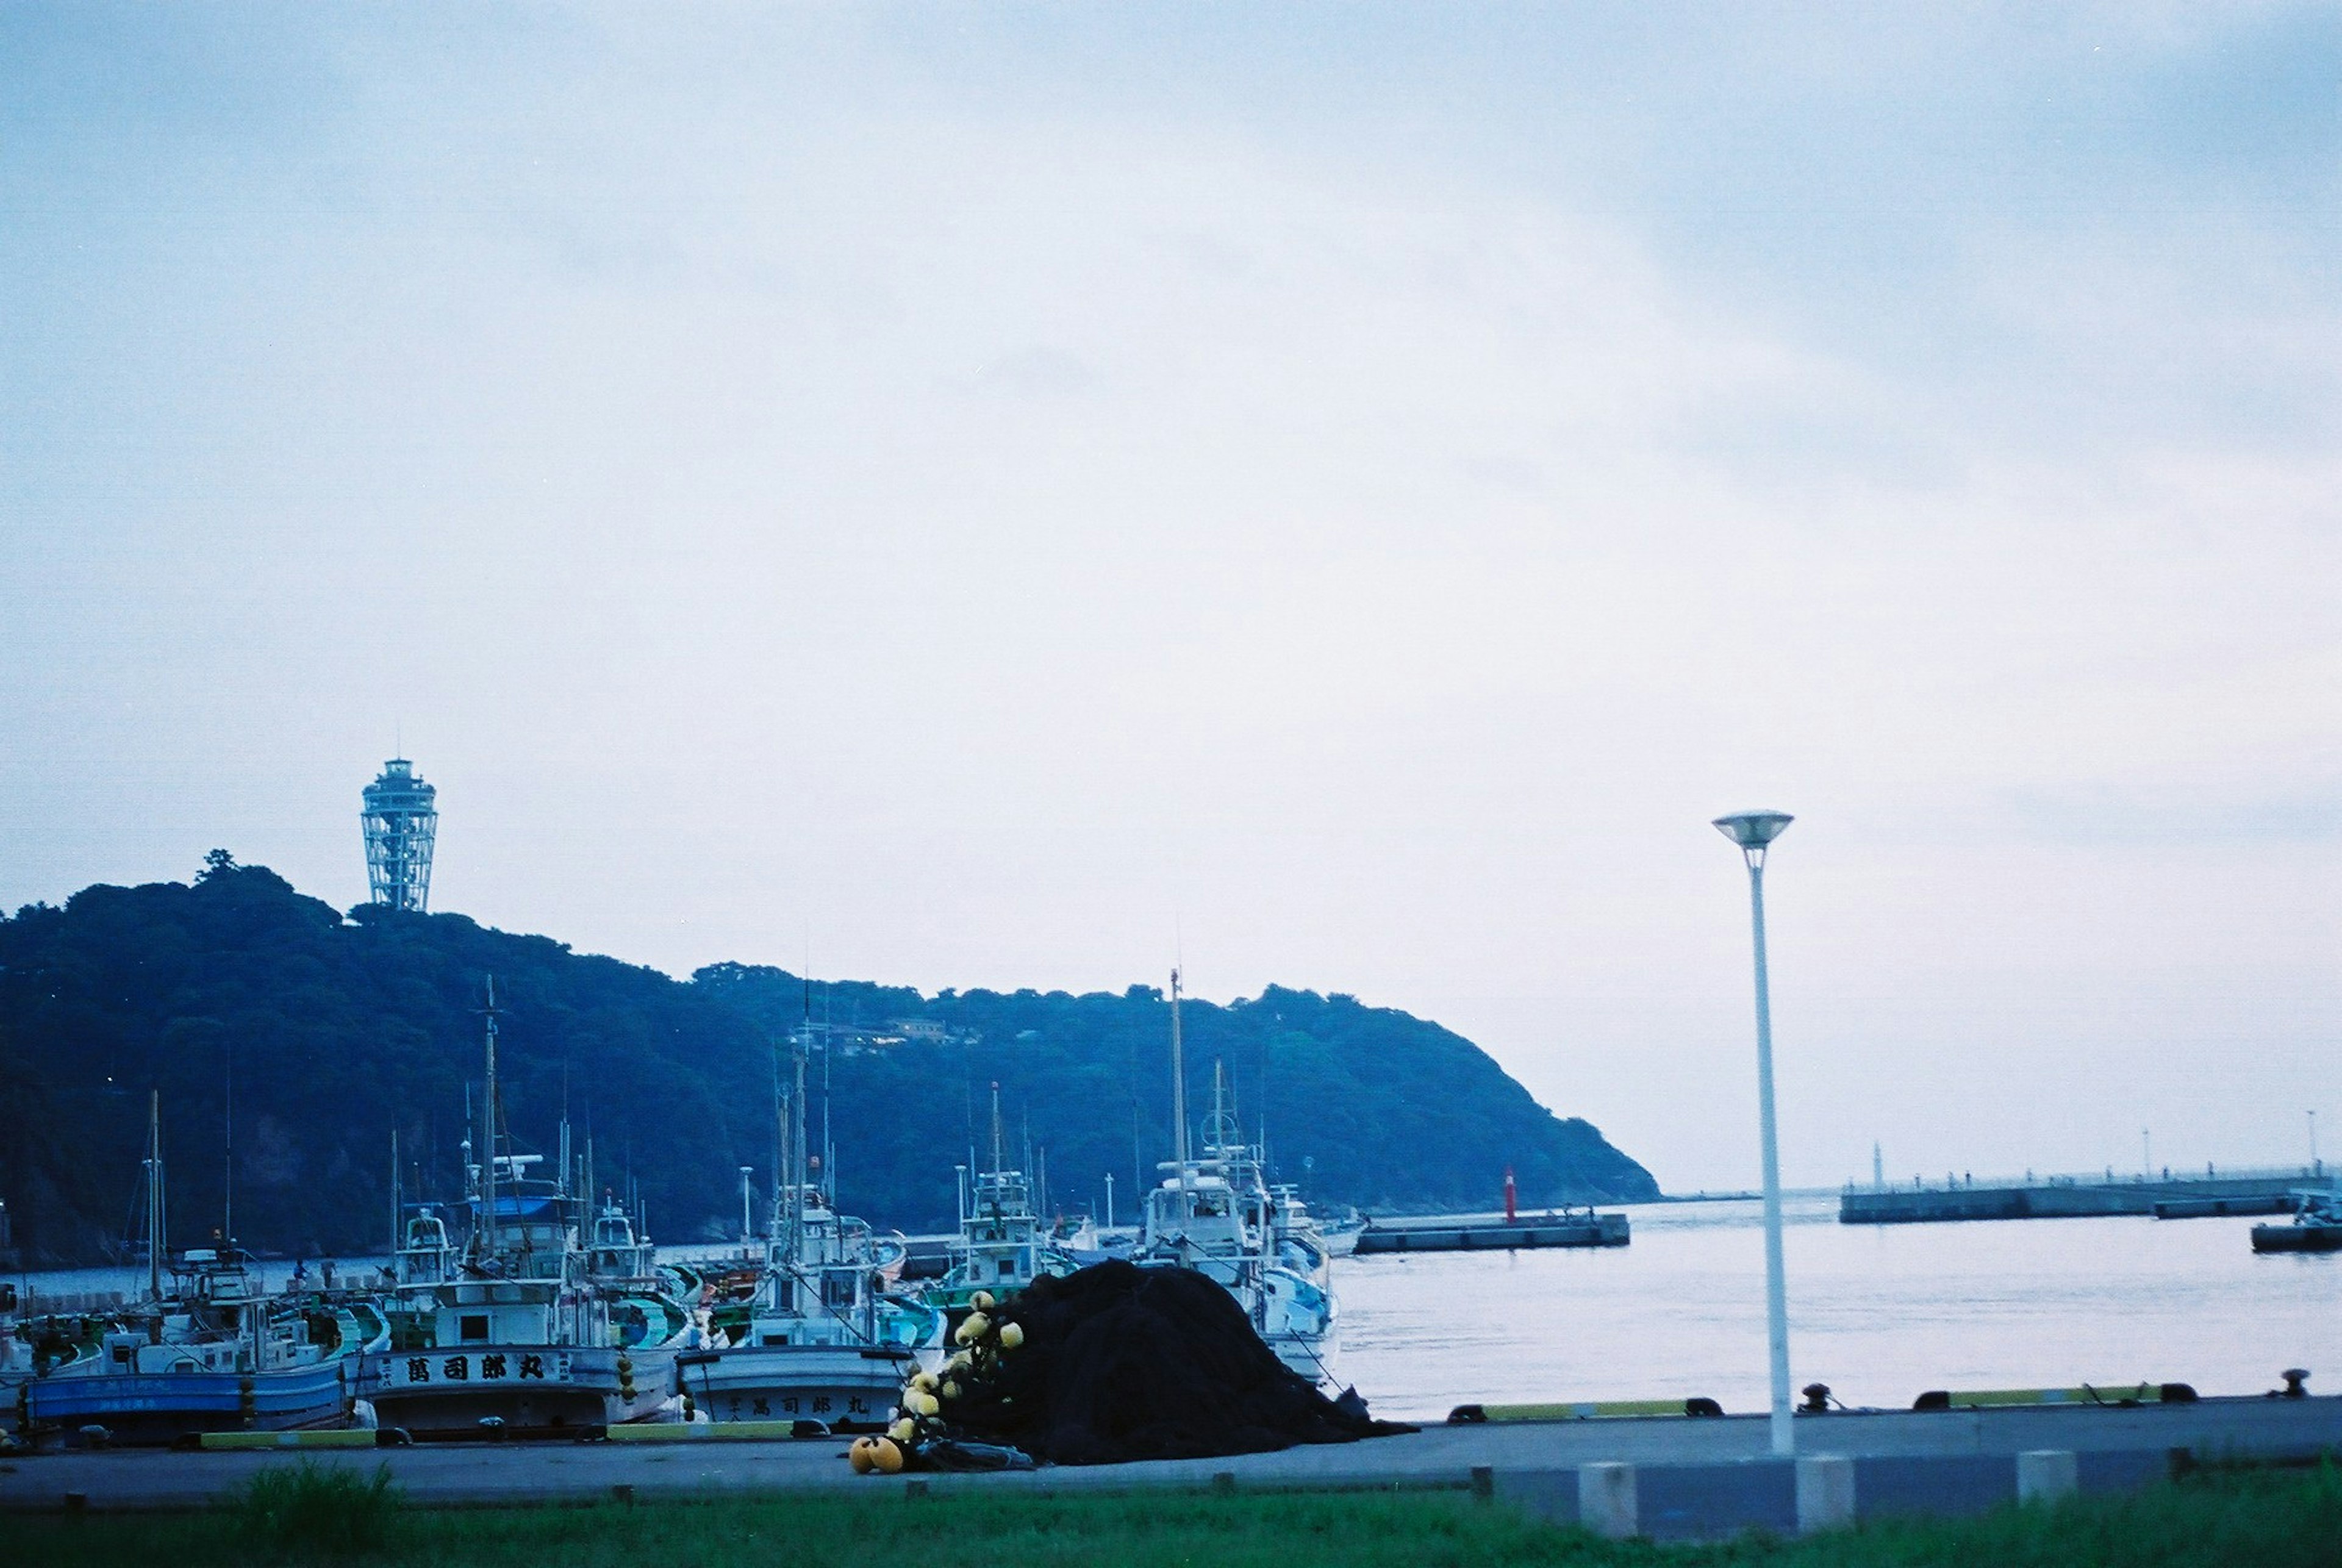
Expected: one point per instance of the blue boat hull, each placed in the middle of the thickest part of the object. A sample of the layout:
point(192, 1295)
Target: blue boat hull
point(138, 1407)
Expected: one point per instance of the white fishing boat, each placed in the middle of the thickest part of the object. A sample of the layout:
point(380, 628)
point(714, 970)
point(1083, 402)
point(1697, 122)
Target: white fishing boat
point(518, 1337)
point(821, 1340)
point(1217, 1215)
point(1003, 1244)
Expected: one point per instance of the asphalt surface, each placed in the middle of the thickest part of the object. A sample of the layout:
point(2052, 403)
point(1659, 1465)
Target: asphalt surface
point(456, 1473)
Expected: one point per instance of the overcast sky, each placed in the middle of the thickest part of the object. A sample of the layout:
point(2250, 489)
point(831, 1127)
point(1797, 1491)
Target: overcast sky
point(993, 495)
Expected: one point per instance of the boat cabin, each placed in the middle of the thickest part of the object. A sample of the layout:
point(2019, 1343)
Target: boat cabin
point(425, 1255)
point(1204, 1213)
point(613, 1250)
point(515, 1311)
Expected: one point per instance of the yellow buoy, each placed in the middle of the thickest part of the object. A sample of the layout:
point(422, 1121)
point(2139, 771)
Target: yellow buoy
point(1012, 1335)
point(981, 1301)
point(863, 1455)
point(922, 1403)
point(926, 1381)
point(904, 1429)
point(960, 1361)
point(885, 1454)
point(950, 1389)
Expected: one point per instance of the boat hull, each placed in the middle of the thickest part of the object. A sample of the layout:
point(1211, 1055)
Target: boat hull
point(161, 1407)
point(2297, 1238)
point(1293, 1316)
point(847, 1388)
point(531, 1390)
point(1313, 1355)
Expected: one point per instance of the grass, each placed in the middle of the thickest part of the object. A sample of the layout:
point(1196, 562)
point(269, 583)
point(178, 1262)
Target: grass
point(309, 1509)
point(2263, 1519)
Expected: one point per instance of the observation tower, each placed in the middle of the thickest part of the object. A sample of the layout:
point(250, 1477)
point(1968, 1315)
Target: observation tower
point(400, 825)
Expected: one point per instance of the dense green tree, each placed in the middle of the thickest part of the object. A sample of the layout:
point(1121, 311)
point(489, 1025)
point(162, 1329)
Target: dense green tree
point(328, 1031)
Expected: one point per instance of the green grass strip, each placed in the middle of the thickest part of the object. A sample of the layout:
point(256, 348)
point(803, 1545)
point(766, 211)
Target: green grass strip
point(2264, 1519)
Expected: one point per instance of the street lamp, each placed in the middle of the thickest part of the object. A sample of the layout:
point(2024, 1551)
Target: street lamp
point(1752, 830)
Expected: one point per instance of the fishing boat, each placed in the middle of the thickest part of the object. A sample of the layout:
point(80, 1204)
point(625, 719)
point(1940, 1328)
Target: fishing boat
point(821, 1341)
point(209, 1351)
point(518, 1337)
point(1003, 1244)
point(1217, 1215)
point(1301, 1244)
point(2316, 1225)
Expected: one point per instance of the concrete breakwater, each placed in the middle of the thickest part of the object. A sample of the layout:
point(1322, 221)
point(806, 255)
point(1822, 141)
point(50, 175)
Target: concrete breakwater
point(1494, 1232)
point(2071, 1197)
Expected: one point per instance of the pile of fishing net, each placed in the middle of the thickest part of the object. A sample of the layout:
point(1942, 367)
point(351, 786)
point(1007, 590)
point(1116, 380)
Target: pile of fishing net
point(1113, 1363)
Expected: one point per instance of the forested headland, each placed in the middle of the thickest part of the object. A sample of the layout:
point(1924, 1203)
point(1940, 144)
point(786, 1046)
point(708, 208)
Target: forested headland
point(326, 1032)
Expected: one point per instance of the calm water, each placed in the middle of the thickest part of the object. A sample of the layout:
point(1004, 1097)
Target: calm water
point(1879, 1313)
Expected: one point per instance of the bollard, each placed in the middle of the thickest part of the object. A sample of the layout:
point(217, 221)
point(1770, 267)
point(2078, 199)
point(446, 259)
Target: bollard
point(1824, 1493)
point(2045, 1474)
point(1484, 1483)
point(914, 1489)
point(1605, 1500)
point(622, 1492)
point(76, 1503)
point(1224, 1481)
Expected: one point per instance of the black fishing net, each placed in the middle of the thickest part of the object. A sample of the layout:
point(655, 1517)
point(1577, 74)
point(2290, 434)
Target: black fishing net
point(1123, 1362)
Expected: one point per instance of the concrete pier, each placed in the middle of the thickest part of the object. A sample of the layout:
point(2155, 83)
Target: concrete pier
point(1689, 1478)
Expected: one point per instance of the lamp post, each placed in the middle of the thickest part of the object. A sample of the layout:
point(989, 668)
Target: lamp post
point(1752, 830)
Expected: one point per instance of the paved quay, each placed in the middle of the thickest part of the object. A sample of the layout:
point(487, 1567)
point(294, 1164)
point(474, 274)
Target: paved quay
point(1695, 1476)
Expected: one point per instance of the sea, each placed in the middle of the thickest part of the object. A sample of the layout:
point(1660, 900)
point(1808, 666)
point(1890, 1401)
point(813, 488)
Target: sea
point(1879, 1313)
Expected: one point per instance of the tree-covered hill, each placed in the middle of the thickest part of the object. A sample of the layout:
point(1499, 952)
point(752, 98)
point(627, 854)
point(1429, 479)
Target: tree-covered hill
point(332, 1031)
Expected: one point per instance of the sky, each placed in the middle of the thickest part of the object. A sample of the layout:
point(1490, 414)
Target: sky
point(1335, 495)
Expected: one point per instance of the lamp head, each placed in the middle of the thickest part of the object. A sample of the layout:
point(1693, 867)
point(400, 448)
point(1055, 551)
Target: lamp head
point(1753, 830)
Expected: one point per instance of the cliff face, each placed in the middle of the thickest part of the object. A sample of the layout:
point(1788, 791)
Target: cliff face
point(332, 1032)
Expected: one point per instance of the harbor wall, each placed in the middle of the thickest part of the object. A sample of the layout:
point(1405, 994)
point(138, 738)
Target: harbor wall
point(2065, 1198)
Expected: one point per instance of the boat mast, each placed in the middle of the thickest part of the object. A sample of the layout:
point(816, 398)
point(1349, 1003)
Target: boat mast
point(227, 1153)
point(154, 1217)
point(780, 1146)
point(996, 1156)
point(1178, 1088)
point(394, 1237)
point(797, 1160)
point(488, 1115)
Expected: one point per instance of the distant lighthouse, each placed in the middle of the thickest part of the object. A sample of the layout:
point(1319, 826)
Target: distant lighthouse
point(401, 823)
